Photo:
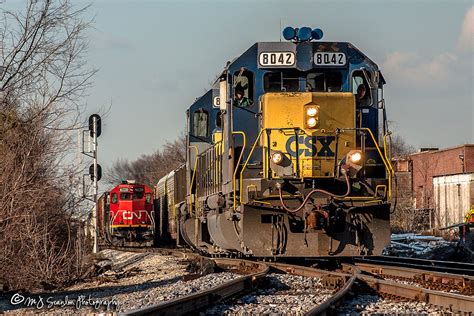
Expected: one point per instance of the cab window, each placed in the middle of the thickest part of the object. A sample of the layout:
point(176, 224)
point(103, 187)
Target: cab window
point(138, 195)
point(324, 81)
point(125, 196)
point(148, 197)
point(361, 89)
point(114, 198)
point(281, 81)
point(201, 123)
point(243, 79)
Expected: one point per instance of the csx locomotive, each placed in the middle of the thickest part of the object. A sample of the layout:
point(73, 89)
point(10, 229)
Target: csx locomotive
point(125, 215)
point(287, 156)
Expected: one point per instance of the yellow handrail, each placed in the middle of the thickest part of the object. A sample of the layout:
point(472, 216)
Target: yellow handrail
point(192, 178)
point(245, 165)
point(385, 150)
point(387, 164)
point(237, 164)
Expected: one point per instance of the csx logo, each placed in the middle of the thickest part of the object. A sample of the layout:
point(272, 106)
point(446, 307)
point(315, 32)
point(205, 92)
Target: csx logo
point(310, 146)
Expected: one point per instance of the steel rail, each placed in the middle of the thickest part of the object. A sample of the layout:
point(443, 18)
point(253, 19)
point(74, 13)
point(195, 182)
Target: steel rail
point(342, 281)
point(441, 279)
point(453, 302)
point(191, 303)
point(421, 264)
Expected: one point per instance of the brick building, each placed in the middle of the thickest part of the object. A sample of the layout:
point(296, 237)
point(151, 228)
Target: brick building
point(439, 180)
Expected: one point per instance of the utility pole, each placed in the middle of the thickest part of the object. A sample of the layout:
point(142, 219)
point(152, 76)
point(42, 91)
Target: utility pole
point(95, 170)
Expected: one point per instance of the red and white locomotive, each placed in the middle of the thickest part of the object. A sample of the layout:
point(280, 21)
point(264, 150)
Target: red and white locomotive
point(125, 215)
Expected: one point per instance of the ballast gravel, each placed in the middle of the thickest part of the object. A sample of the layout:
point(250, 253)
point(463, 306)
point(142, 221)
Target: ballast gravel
point(276, 294)
point(375, 305)
point(152, 279)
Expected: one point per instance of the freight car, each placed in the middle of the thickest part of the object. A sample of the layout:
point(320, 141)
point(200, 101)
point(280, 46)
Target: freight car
point(125, 215)
point(287, 155)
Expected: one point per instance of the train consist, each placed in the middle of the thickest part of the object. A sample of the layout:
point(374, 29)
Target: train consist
point(125, 215)
point(286, 156)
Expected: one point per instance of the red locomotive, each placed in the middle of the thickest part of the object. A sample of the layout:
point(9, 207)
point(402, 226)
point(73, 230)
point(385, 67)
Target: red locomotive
point(125, 215)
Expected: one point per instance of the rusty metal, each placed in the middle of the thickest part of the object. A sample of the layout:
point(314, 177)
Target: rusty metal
point(427, 279)
point(311, 220)
point(450, 301)
point(429, 286)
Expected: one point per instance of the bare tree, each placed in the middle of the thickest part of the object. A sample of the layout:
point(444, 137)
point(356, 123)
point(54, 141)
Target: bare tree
point(42, 80)
point(148, 169)
point(400, 148)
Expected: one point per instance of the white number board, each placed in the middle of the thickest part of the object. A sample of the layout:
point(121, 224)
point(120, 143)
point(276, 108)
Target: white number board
point(329, 59)
point(269, 59)
point(217, 102)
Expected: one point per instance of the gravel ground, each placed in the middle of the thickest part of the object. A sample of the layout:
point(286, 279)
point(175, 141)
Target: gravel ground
point(375, 305)
point(152, 279)
point(280, 294)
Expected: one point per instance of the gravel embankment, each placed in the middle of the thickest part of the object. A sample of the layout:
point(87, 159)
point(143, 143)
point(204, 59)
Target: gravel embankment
point(149, 279)
point(279, 294)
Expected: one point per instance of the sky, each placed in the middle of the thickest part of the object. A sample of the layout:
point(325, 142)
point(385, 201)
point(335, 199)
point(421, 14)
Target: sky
point(156, 57)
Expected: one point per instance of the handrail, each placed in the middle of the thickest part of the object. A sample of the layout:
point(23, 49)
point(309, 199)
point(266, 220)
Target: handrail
point(385, 149)
point(237, 164)
point(383, 156)
point(192, 178)
point(386, 163)
point(245, 165)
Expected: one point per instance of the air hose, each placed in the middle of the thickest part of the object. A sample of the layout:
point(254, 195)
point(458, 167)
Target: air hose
point(286, 208)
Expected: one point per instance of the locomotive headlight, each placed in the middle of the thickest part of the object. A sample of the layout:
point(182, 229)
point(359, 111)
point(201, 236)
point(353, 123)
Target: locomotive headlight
point(312, 122)
point(277, 157)
point(311, 111)
point(355, 156)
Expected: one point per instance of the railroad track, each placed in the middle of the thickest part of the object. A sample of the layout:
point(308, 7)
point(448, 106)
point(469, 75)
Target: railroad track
point(338, 283)
point(421, 264)
point(200, 300)
point(385, 277)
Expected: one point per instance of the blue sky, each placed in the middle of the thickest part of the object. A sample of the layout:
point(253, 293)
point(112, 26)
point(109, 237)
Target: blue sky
point(155, 57)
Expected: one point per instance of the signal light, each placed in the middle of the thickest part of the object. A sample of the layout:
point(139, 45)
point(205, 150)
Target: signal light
point(98, 125)
point(99, 172)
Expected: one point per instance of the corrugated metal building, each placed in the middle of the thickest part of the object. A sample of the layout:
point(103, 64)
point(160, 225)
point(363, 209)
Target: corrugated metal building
point(454, 196)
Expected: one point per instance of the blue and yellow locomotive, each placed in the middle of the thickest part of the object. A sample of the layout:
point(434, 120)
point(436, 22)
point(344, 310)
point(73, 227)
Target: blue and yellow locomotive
point(287, 155)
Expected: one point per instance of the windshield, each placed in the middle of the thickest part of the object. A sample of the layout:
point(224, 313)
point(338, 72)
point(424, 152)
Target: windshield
point(292, 81)
point(129, 196)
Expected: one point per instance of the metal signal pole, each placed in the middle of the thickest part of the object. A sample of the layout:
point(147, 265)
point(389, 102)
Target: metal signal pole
point(95, 185)
point(95, 171)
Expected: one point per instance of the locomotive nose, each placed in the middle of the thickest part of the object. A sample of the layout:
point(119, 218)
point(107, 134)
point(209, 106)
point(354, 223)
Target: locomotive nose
point(303, 132)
